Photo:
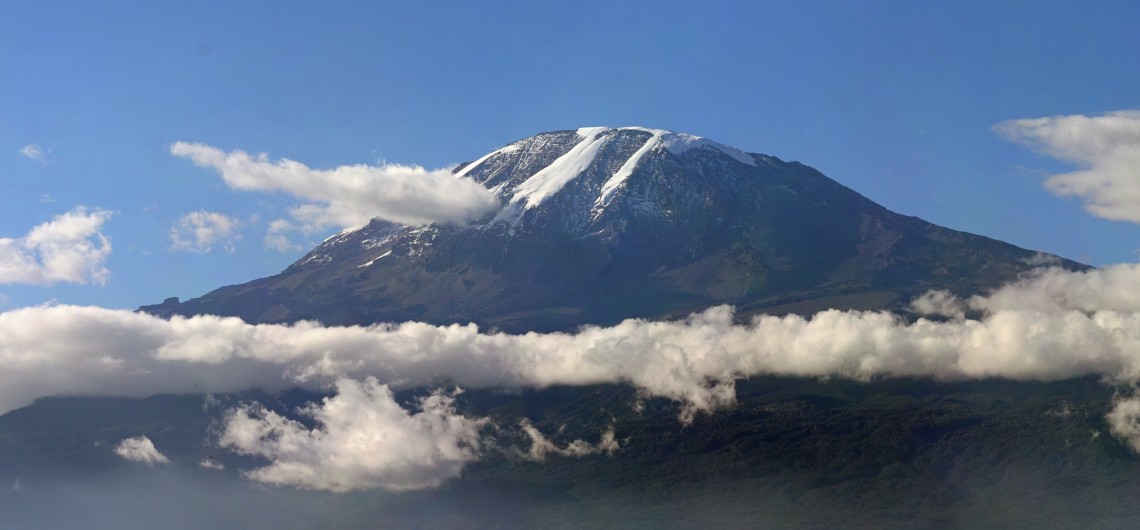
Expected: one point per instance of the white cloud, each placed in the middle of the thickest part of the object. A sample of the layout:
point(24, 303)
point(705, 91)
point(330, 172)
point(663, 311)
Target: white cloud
point(69, 248)
point(276, 238)
point(56, 350)
point(140, 449)
point(206, 463)
point(541, 447)
point(1053, 290)
point(200, 231)
point(1124, 421)
point(938, 303)
point(349, 196)
point(364, 440)
point(1105, 147)
point(35, 152)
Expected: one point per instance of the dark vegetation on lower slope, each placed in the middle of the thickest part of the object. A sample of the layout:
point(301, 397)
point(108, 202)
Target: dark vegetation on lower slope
point(792, 453)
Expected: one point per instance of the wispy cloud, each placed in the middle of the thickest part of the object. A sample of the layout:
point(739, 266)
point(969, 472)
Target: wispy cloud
point(541, 447)
point(277, 237)
point(69, 248)
point(141, 449)
point(348, 196)
point(35, 152)
point(200, 231)
point(207, 463)
point(1105, 147)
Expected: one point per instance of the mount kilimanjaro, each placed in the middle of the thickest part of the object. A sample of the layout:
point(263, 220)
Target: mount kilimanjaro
point(601, 224)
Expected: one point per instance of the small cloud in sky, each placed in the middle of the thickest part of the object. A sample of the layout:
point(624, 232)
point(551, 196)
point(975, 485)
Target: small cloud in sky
point(140, 449)
point(206, 463)
point(47, 198)
point(277, 238)
point(1106, 148)
point(35, 152)
point(69, 248)
point(201, 231)
point(348, 196)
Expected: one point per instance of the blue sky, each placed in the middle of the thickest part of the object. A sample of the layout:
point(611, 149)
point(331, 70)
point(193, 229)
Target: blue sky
point(897, 100)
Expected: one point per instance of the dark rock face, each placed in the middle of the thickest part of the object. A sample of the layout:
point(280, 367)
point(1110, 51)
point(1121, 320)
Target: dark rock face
point(598, 225)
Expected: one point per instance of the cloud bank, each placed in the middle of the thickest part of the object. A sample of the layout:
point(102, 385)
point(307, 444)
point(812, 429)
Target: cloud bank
point(1106, 148)
point(200, 231)
point(1051, 325)
point(61, 350)
point(348, 196)
point(69, 248)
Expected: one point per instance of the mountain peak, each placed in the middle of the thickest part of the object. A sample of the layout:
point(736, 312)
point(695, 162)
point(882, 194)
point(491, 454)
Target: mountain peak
point(591, 164)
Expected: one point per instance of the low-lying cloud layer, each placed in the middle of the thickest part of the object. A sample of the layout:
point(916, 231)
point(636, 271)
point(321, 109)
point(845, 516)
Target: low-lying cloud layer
point(1050, 326)
point(70, 248)
point(348, 196)
point(1105, 147)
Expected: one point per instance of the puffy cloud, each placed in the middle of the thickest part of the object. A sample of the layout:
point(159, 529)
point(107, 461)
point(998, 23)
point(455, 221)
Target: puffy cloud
point(1124, 421)
point(199, 231)
point(541, 447)
point(938, 303)
point(364, 440)
point(348, 196)
point(69, 248)
point(1105, 147)
point(141, 449)
point(35, 152)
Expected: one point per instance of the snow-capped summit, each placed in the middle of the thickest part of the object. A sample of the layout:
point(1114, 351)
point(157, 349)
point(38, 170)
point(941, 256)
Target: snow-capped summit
point(591, 160)
point(601, 224)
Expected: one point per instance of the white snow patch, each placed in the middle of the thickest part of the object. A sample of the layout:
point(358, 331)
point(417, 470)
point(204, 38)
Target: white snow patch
point(627, 168)
point(373, 260)
point(647, 129)
point(467, 169)
point(552, 178)
point(678, 143)
point(590, 132)
point(343, 233)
